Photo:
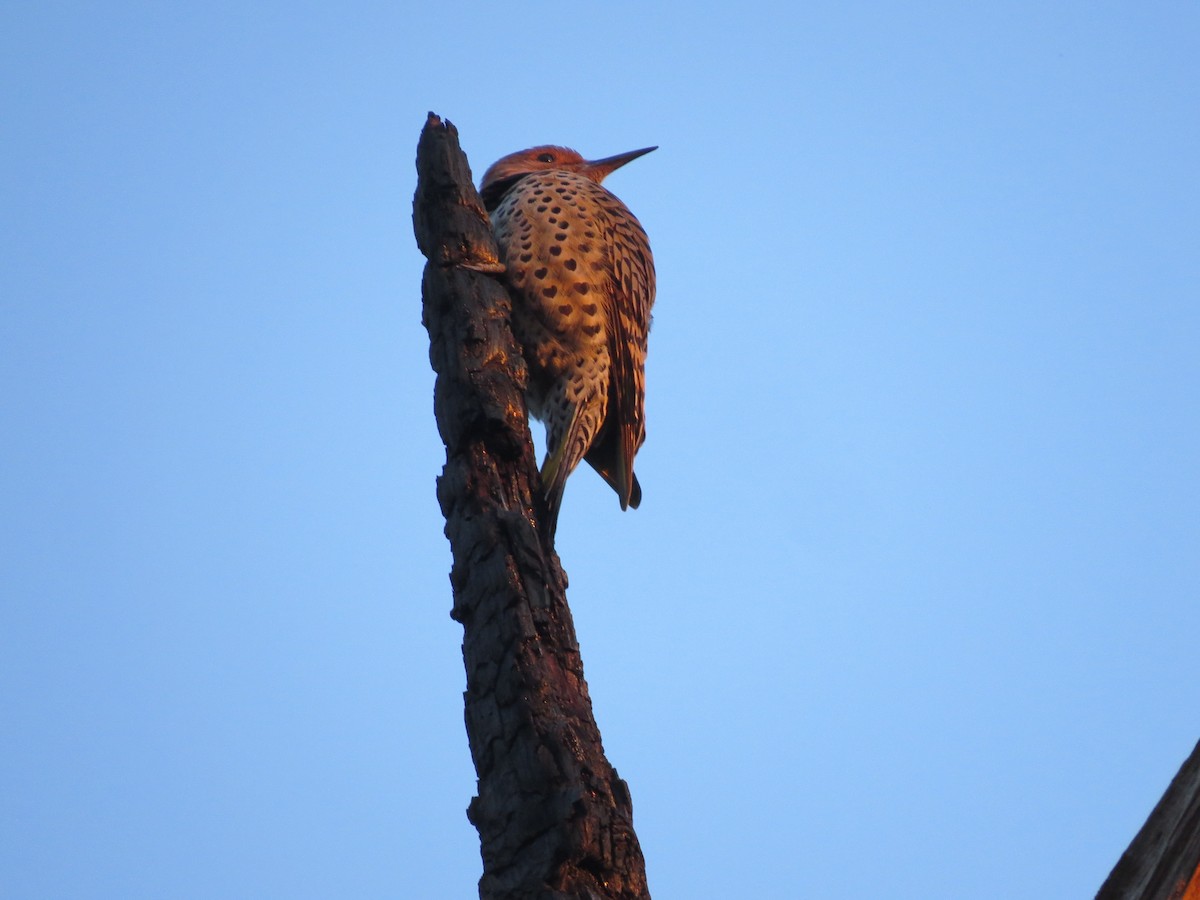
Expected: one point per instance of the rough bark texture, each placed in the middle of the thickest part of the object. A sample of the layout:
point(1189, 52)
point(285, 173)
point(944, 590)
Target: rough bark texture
point(554, 818)
point(1163, 862)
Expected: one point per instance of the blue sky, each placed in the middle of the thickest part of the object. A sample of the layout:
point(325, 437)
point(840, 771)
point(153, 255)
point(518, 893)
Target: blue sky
point(913, 594)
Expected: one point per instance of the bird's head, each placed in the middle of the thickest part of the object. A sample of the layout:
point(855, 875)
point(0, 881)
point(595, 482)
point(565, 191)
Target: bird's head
point(506, 172)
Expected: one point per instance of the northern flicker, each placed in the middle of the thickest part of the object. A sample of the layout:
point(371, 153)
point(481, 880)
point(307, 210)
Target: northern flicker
point(579, 269)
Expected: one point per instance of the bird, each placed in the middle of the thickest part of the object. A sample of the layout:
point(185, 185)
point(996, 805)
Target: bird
point(581, 275)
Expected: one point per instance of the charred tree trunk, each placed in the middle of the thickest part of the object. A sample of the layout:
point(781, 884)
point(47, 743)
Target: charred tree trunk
point(1163, 862)
point(554, 818)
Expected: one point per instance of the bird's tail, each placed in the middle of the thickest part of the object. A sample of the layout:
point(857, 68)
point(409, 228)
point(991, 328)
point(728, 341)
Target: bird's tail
point(634, 500)
point(606, 456)
point(560, 462)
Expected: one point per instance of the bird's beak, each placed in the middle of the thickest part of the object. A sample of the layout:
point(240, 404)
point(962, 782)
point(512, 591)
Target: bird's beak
point(597, 169)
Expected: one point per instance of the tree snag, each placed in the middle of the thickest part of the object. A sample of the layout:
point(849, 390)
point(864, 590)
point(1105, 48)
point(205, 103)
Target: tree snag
point(1163, 861)
point(554, 818)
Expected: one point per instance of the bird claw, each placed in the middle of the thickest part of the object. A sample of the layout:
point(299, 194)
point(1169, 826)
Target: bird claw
point(486, 267)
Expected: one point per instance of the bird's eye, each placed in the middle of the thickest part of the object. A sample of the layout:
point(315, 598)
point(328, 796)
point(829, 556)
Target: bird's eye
point(545, 157)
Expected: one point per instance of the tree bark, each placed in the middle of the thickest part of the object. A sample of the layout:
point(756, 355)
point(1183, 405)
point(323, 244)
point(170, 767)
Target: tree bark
point(554, 818)
point(1163, 862)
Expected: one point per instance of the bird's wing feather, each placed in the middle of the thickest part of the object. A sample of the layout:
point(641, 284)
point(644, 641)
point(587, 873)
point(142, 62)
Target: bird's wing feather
point(632, 295)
